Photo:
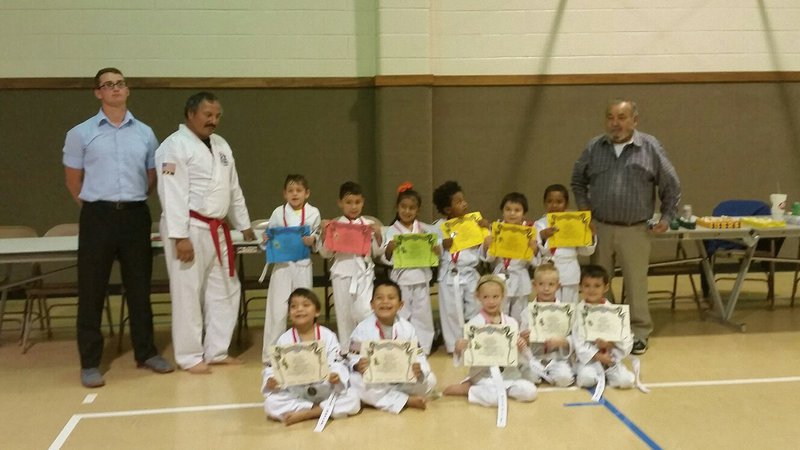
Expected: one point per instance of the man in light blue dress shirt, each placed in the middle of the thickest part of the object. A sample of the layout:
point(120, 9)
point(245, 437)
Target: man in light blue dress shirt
point(109, 169)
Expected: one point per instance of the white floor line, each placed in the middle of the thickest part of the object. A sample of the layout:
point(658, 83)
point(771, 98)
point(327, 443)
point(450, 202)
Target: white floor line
point(180, 409)
point(73, 421)
point(557, 389)
point(89, 399)
point(724, 382)
point(65, 432)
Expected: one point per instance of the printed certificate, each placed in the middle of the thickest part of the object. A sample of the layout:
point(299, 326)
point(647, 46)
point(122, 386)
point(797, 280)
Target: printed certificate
point(573, 229)
point(511, 241)
point(301, 363)
point(610, 323)
point(491, 345)
point(286, 244)
point(342, 237)
point(550, 320)
point(465, 231)
point(390, 361)
point(415, 250)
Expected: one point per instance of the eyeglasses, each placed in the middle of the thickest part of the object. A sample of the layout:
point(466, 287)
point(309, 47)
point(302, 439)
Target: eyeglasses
point(121, 84)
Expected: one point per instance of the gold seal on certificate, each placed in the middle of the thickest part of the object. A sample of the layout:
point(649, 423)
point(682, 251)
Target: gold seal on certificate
point(607, 322)
point(491, 345)
point(297, 364)
point(511, 241)
point(573, 229)
point(390, 361)
point(415, 250)
point(465, 231)
point(550, 320)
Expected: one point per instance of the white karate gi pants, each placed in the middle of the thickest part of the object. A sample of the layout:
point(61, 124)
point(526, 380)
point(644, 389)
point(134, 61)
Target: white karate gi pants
point(285, 278)
point(514, 306)
point(484, 391)
point(204, 297)
point(279, 403)
point(570, 293)
point(390, 397)
point(560, 371)
point(350, 309)
point(417, 310)
point(452, 329)
point(617, 376)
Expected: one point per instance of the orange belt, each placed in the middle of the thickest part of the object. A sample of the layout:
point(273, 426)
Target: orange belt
point(213, 225)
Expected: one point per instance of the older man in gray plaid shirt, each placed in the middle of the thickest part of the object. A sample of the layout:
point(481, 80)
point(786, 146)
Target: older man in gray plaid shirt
point(616, 178)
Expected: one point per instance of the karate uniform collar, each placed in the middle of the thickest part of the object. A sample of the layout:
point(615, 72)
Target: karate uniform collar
point(415, 227)
point(185, 130)
point(379, 326)
point(296, 335)
point(291, 209)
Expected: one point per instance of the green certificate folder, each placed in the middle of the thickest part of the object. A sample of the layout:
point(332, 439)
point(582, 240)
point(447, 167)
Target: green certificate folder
point(415, 250)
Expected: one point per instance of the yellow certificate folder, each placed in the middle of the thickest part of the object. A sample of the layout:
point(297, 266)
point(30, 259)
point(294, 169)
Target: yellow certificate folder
point(511, 241)
point(465, 231)
point(415, 250)
point(573, 229)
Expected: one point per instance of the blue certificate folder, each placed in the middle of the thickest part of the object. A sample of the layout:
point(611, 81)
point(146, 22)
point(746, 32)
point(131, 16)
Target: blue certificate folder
point(286, 244)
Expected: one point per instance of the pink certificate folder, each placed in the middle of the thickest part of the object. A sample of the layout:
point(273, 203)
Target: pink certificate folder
point(344, 237)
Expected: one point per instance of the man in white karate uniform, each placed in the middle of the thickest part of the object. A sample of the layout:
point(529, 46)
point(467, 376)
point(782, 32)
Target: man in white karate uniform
point(199, 188)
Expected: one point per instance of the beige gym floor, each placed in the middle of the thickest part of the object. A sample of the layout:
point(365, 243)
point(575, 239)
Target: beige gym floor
point(712, 387)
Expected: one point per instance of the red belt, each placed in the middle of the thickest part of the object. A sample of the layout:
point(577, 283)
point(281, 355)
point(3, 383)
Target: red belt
point(213, 225)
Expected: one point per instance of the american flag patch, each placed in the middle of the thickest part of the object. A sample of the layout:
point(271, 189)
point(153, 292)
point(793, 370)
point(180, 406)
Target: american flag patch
point(168, 168)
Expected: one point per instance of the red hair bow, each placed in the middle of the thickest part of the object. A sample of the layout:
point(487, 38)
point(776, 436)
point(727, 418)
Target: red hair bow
point(407, 186)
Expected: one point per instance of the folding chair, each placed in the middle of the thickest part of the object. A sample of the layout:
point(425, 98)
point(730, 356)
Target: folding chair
point(675, 267)
point(42, 292)
point(796, 278)
point(258, 226)
point(9, 232)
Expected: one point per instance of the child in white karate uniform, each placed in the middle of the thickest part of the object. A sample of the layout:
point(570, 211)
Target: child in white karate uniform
point(599, 358)
point(479, 387)
point(288, 276)
point(298, 403)
point(414, 282)
point(458, 273)
point(549, 360)
point(518, 282)
point(351, 275)
point(556, 199)
point(386, 323)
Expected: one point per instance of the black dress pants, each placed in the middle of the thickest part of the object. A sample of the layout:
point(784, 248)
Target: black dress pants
point(110, 231)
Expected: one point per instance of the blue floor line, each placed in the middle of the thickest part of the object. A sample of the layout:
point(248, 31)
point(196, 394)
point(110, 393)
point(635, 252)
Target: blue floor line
point(568, 405)
point(628, 423)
